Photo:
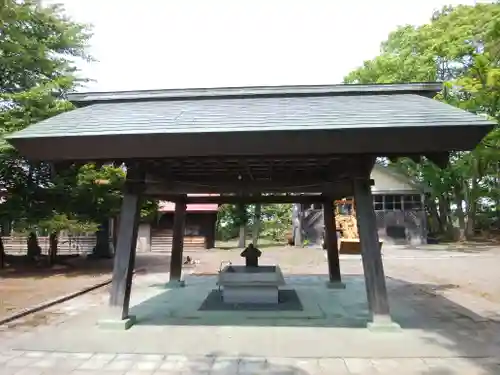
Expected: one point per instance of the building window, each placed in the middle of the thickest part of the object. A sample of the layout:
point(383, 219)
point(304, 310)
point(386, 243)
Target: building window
point(393, 202)
point(378, 202)
point(412, 202)
point(344, 208)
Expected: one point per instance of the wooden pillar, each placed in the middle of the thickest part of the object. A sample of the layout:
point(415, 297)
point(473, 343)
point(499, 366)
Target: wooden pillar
point(124, 259)
point(178, 241)
point(211, 227)
point(376, 289)
point(332, 250)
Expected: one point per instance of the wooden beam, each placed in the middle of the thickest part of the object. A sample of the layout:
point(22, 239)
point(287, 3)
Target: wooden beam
point(239, 170)
point(251, 199)
point(159, 189)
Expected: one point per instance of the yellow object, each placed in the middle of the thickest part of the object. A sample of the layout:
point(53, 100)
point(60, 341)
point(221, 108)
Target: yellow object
point(345, 218)
point(347, 227)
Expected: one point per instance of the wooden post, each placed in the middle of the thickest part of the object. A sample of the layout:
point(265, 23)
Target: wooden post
point(211, 223)
point(332, 251)
point(178, 242)
point(124, 260)
point(376, 289)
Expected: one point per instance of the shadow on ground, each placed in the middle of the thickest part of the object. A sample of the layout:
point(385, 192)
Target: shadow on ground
point(444, 323)
point(246, 365)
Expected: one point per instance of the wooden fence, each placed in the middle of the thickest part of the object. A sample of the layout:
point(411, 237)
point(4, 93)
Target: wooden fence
point(66, 245)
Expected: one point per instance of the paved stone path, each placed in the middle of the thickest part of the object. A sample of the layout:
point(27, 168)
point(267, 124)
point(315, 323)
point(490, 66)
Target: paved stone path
point(59, 363)
point(446, 301)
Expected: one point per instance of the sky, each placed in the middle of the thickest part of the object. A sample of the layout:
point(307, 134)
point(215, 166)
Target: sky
point(162, 44)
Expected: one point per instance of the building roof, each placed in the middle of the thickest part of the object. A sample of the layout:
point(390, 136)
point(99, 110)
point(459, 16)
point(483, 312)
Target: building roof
point(344, 119)
point(398, 176)
point(426, 89)
point(166, 206)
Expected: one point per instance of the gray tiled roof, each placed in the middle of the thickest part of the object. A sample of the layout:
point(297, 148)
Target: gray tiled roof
point(260, 113)
point(425, 89)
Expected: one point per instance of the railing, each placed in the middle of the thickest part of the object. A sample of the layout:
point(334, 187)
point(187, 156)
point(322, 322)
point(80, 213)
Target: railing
point(66, 245)
point(313, 225)
point(311, 218)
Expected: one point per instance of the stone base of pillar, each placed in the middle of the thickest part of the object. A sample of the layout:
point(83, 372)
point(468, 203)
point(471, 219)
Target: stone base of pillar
point(335, 285)
point(383, 324)
point(117, 324)
point(173, 284)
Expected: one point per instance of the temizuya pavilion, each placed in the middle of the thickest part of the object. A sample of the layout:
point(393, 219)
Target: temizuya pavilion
point(248, 141)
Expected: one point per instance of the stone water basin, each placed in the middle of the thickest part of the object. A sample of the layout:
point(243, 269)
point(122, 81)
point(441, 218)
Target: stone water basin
point(241, 284)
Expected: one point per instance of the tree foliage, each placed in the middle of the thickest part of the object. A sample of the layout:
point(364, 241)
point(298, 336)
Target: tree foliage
point(460, 46)
point(37, 51)
point(275, 221)
point(39, 48)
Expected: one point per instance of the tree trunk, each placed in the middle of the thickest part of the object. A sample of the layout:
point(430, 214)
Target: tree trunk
point(243, 234)
point(242, 218)
point(471, 220)
point(53, 248)
point(471, 210)
point(435, 224)
point(461, 217)
point(2, 254)
point(101, 249)
point(298, 235)
point(34, 248)
point(256, 224)
point(444, 215)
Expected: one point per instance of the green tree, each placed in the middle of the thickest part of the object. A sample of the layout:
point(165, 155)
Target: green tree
point(275, 220)
point(39, 47)
point(460, 47)
point(232, 220)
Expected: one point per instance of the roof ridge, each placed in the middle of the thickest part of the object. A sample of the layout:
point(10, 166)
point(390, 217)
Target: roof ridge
point(423, 88)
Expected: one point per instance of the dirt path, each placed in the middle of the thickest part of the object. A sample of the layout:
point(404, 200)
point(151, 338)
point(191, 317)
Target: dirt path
point(26, 286)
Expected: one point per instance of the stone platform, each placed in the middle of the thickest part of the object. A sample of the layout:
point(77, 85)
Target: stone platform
point(247, 285)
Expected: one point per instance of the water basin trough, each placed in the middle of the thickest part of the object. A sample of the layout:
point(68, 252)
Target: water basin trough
point(247, 285)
